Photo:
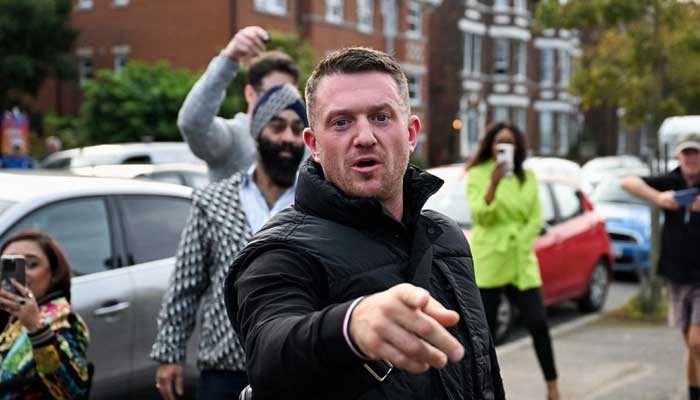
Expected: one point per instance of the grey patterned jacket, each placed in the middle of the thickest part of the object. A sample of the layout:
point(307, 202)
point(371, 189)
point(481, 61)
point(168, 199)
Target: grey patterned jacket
point(216, 231)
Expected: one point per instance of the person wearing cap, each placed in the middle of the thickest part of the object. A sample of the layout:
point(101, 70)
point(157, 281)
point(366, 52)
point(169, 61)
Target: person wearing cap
point(226, 145)
point(17, 158)
point(223, 217)
point(680, 252)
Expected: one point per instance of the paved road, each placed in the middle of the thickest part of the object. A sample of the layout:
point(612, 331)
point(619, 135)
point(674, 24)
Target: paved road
point(600, 359)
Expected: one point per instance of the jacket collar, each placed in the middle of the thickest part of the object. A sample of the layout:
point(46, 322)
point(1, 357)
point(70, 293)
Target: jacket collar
point(317, 196)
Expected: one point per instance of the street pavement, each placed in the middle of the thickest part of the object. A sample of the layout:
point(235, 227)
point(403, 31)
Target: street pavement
point(599, 358)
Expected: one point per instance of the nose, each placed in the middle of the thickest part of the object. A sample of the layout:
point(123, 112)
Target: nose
point(365, 136)
point(287, 135)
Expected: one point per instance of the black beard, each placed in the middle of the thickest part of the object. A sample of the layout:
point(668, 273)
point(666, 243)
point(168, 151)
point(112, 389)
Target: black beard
point(281, 170)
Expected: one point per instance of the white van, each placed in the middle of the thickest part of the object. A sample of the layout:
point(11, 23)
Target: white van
point(673, 128)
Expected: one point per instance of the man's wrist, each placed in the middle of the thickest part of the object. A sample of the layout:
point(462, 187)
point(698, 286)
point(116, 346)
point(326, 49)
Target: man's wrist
point(346, 330)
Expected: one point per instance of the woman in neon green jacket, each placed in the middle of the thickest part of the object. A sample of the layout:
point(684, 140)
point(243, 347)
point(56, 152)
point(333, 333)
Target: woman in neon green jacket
point(505, 207)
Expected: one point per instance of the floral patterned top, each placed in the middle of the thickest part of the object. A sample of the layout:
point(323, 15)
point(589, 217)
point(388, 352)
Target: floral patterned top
point(50, 363)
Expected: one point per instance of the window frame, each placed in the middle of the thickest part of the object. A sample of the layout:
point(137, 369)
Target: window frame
point(416, 86)
point(501, 45)
point(121, 210)
point(540, 131)
point(547, 66)
point(275, 7)
point(335, 11)
point(471, 64)
point(84, 5)
point(414, 19)
point(365, 15)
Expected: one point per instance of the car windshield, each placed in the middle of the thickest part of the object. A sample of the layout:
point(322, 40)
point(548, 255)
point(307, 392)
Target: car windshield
point(610, 191)
point(451, 200)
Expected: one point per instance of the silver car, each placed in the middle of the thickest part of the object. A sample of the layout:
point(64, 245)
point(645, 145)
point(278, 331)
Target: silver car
point(120, 237)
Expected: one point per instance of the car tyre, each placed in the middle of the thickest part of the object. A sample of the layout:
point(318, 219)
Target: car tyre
point(505, 319)
point(597, 292)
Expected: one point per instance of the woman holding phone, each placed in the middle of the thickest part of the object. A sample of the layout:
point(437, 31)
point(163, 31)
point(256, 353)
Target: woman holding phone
point(504, 202)
point(43, 343)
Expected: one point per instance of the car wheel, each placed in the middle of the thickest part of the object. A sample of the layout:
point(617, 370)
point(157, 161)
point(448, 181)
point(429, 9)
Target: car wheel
point(505, 318)
point(597, 292)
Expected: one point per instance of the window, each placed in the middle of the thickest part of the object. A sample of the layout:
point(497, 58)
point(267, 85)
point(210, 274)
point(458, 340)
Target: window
point(520, 118)
point(85, 71)
point(154, 225)
point(120, 3)
point(500, 114)
point(563, 128)
point(469, 136)
point(277, 7)
point(546, 125)
point(472, 53)
point(521, 59)
point(334, 11)
point(120, 59)
point(548, 215)
point(81, 228)
point(547, 65)
point(414, 88)
point(415, 18)
point(85, 4)
point(501, 63)
point(564, 67)
point(365, 15)
point(520, 5)
point(569, 201)
point(502, 4)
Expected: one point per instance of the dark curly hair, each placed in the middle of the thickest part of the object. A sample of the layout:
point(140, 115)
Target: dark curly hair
point(484, 152)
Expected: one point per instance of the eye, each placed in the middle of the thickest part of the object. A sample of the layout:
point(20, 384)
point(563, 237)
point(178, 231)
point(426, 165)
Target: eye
point(341, 123)
point(381, 118)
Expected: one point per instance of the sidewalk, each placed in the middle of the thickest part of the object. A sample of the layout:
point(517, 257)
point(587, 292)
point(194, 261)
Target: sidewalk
point(601, 359)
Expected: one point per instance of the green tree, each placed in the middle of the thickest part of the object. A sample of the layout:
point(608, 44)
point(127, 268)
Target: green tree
point(143, 100)
point(139, 100)
point(642, 55)
point(35, 36)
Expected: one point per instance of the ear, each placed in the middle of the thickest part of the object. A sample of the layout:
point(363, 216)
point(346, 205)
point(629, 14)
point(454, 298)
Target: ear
point(312, 144)
point(414, 127)
point(251, 96)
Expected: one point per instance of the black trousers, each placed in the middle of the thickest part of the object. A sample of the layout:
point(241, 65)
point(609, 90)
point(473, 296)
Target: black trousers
point(529, 303)
point(220, 384)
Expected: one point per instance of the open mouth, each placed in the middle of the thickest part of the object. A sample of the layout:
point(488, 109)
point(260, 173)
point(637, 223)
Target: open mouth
point(366, 163)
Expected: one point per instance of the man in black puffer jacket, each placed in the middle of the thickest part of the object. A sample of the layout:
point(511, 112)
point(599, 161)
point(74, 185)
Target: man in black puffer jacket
point(354, 293)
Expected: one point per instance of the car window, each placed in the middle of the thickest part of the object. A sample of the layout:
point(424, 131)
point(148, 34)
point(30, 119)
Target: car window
point(610, 191)
point(139, 159)
point(153, 225)
point(59, 163)
point(546, 204)
point(569, 201)
point(80, 227)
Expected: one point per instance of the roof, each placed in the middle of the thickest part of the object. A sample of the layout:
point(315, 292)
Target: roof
point(19, 186)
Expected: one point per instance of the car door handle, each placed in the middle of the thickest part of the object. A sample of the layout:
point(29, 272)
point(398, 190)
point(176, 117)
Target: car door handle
point(111, 309)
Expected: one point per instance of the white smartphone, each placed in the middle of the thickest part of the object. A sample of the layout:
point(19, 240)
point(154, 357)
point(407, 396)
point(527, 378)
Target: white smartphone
point(505, 153)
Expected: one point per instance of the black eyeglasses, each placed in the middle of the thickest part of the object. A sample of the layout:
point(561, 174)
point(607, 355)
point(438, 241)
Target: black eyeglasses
point(279, 125)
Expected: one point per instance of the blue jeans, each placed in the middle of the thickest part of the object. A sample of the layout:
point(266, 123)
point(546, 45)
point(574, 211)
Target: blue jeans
point(220, 384)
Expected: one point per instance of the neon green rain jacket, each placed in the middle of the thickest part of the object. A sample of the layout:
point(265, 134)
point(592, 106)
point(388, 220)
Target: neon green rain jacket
point(504, 232)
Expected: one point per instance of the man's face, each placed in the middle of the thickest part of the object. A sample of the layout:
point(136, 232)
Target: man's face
point(281, 147)
point(361, 134)
point(689, 160)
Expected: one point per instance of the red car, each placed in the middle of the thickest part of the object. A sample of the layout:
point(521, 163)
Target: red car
point(573, 250)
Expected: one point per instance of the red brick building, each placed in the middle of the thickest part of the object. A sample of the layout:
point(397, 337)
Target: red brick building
point(487, 63)
point(189, 33)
